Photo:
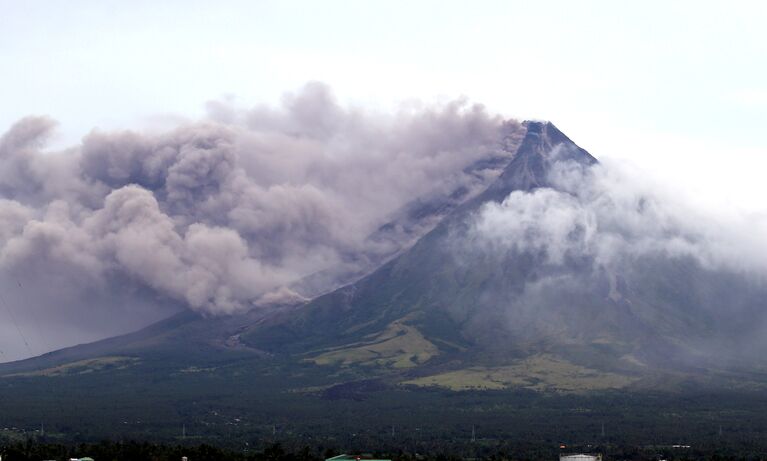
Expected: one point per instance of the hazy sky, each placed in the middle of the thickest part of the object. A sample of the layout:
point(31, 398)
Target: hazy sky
point(671, 82)
point(679, 89)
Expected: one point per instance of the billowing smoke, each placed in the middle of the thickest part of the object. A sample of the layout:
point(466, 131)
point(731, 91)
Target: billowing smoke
point(227, 213)
point(611, 214)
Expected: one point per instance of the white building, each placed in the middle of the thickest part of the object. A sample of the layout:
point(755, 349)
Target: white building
point(580, 457)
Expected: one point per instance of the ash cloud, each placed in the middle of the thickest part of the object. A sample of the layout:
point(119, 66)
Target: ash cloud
point(226, 213)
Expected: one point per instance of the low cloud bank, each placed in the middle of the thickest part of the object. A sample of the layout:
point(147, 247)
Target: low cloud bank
point(606, 255)
point(613, 214)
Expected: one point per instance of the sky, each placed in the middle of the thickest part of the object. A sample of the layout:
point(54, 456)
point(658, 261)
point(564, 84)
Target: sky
point(679, 89)
point(655, 82)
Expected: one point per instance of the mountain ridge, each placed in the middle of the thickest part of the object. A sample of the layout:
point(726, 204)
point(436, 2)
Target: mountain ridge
point(432, 311)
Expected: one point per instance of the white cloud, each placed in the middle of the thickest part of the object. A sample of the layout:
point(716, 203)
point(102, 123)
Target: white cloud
point(613, 214)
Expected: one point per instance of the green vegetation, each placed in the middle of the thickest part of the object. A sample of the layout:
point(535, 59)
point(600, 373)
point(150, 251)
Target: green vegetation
point(539, 372)
point(31, 450)
point(131, 451)
point(260, 401)
point(398, 346)
point(82, 367)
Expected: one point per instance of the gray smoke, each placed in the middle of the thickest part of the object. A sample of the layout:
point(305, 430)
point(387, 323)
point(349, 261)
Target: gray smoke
point(223, 214)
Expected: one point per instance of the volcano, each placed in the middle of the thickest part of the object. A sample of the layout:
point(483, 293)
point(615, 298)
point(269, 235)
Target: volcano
point(440, 314)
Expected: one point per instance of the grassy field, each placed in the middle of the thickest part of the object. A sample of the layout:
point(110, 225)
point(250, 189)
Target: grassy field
point(82, 367)
point(398, 346)
point(539, 372)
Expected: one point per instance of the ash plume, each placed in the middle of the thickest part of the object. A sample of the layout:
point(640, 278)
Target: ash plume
point(219, 215)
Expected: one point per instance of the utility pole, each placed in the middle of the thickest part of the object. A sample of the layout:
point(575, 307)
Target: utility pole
point(473, 434)
point(603, 429)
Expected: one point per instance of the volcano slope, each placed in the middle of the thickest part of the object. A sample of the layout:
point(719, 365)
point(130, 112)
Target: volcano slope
point(450, 312)
point(448, 327)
